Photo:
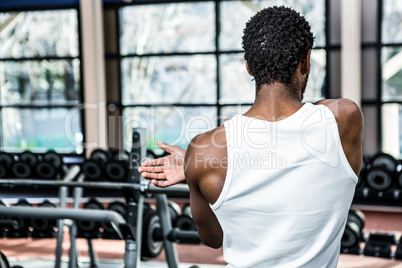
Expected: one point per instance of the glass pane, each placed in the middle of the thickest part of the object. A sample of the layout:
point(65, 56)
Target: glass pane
point(238, 88)
point(39, 130)
point(392, 21)
point(316, 80)
point(173, 125)
point(176, 27)
point(174, 79)
point(391, 73)
point(230, 111)
point(236, 84)
point(39, 34)
point(235, 14)
point(392, 129)
point(40, 82)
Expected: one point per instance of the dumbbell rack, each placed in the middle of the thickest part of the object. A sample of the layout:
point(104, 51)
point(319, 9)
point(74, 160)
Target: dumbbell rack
point(380, 183)
point(131, 235)
point(130, 230)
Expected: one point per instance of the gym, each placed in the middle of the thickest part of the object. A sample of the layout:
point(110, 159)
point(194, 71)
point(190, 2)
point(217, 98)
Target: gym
point(89, 87)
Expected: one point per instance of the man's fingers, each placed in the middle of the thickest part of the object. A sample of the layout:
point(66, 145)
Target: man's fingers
point(153, 162)
point(165, 147)
point(158, 176)
point(161, 184)
point(226, 119)
point(151, 169)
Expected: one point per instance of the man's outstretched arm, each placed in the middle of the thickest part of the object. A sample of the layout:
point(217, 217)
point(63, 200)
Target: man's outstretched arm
point(198, 172)
point(168, 170)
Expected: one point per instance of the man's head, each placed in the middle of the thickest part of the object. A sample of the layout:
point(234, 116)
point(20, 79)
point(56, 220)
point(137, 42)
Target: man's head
point(275, 41)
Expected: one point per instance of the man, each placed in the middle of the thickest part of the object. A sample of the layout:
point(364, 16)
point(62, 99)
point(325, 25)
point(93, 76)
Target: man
point(274, 185)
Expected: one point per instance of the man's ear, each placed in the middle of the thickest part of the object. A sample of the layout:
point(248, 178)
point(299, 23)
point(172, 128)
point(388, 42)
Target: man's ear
point(305, 63)
point(248, 69)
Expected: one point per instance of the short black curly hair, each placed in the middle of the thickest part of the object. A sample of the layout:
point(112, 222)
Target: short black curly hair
point(275, 40)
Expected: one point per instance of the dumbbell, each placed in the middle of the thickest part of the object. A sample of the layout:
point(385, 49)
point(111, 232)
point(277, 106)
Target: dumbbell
point(50, 167)
point(379, 179)
point(43, 227)
point(90, 226)
point(185, 231)
point(116, 168)
point(174, 211)
point(354, 229)
point(121, 155)
point(151, 247)
point(21, 228)
point(6, 222)
point(24, 166)
point(380, 245)
point(93, 167)
point(382, 172)
point(385, 161)
point(118, 207)
point(185, 222)
point(5, 162)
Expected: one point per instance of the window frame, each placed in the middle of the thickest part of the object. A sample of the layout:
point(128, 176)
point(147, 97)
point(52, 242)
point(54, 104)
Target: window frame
point(377, 102)
point(116, 56)
point(75, 7)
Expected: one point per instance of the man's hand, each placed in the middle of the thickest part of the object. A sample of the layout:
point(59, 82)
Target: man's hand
point(165, 171)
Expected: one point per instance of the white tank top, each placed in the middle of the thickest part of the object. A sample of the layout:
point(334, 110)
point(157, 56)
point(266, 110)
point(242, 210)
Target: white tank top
point(287, 191)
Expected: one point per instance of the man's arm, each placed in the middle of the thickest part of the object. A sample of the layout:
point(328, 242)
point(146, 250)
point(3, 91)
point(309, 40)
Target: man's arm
point(168, 170)
point(201, 174)
point(350, 125)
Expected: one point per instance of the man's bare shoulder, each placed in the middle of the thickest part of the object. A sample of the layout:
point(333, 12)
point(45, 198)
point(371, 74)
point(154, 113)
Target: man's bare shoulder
point(346, 111)
point(350, 123)
point(213, 139)
point(208, 148)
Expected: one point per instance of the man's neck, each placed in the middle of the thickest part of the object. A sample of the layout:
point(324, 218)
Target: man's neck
point(274, 102)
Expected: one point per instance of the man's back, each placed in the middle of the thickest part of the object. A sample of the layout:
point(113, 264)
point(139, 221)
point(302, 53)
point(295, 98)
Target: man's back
point(329, 138)
point(287, 190)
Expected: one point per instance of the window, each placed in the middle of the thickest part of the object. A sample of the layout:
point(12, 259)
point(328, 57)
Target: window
point(382, 77)
point(182, 69)
point(40, 81)
point(391, 77)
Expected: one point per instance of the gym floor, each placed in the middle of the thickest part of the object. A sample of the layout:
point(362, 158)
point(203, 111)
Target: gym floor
point(31, 253)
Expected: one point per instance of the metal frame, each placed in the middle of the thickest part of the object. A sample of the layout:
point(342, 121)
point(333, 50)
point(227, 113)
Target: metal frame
point(217, 52)
point(27, 59)
point(132, 256)
point(134, 192)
